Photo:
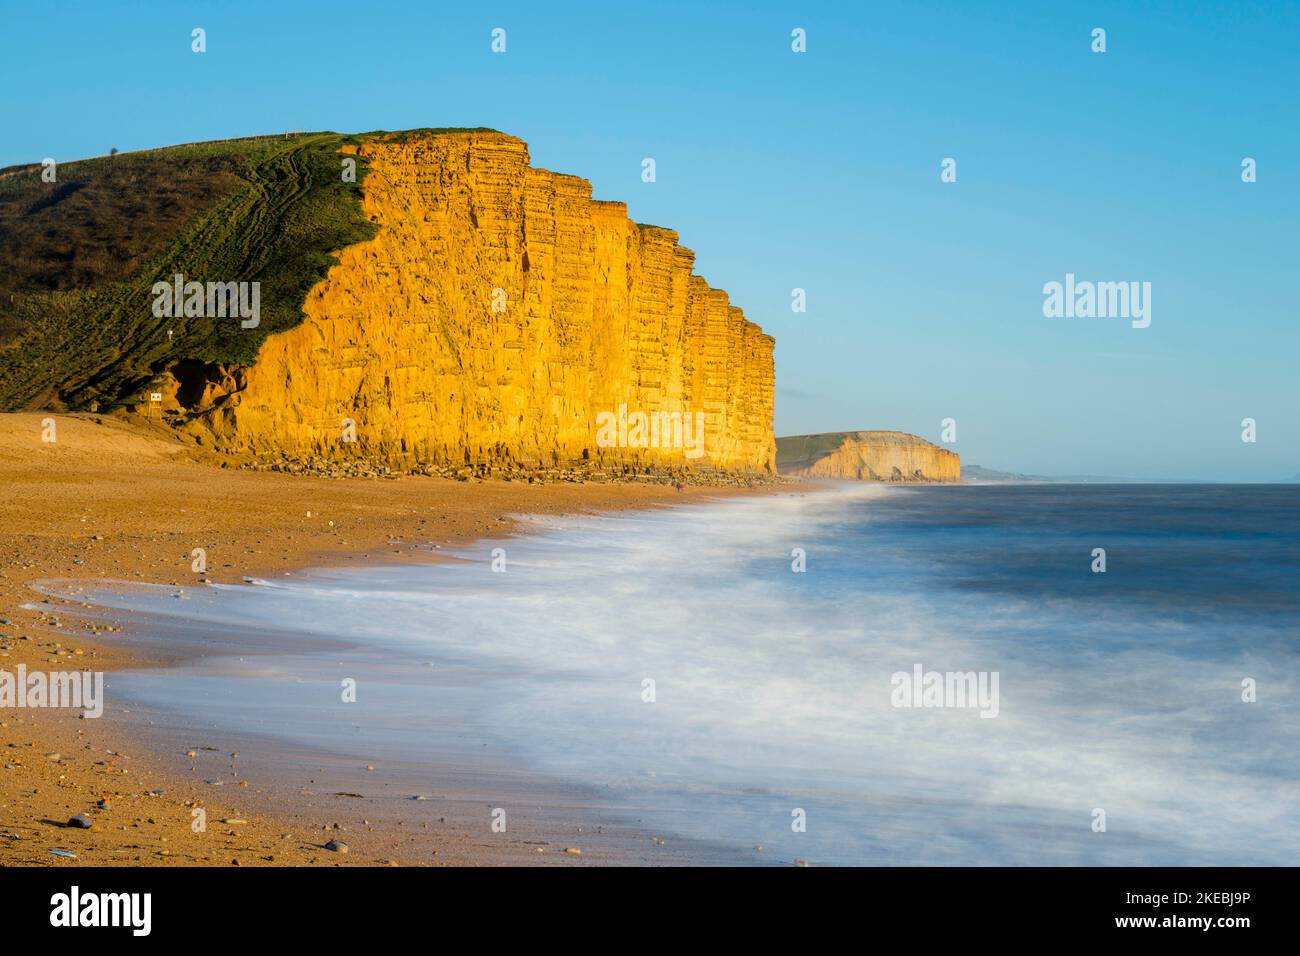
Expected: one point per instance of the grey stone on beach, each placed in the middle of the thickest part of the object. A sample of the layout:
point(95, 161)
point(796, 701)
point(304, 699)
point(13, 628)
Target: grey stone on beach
point(337, 846)
point(81, 822)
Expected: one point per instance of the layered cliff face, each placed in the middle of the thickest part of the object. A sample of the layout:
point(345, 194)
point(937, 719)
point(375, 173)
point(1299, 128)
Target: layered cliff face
point(866, 456)
point(500, 315)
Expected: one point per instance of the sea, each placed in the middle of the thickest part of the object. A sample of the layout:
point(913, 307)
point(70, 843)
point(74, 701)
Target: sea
point(781, 676)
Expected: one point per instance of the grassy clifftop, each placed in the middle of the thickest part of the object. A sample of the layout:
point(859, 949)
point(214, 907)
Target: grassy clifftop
point(82, 253)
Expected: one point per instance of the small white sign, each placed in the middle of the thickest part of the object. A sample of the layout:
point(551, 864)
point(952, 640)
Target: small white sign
point(155, 396)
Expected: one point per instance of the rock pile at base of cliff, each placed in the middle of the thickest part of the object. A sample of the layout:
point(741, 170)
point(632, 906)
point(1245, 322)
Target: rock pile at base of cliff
point(651, 474)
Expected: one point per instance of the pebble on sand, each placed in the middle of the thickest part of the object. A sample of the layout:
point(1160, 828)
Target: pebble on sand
point(337, 846)
point(81, 822)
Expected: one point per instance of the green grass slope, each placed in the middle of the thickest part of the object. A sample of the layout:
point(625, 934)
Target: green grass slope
point(77, 329)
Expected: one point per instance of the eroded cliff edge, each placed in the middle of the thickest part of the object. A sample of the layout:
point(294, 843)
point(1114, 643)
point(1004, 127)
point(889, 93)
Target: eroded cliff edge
point(498, 316)
point(866, 456)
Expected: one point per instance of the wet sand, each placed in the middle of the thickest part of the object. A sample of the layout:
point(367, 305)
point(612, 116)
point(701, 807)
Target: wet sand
point(110, 500)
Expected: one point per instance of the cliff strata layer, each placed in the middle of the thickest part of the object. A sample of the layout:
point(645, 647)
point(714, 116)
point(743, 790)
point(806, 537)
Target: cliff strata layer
point(502, 316)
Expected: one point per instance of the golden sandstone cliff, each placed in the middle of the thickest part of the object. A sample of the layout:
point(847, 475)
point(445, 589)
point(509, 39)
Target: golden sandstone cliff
point(866, 456)
point(501, 315)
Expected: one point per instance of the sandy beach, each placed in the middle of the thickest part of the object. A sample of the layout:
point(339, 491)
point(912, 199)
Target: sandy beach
point(111, 500)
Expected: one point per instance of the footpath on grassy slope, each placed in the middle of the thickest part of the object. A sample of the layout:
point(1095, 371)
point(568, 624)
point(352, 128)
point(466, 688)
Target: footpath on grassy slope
point(77, 328)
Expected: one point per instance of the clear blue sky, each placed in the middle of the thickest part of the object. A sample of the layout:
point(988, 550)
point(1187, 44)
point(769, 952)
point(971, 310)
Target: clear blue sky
point(821, 171)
